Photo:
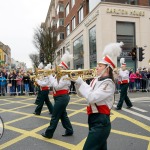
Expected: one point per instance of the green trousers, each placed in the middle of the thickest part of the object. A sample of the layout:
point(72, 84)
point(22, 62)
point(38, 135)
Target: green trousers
point(99, 130)
point(59, 112)
point(38, 96)
point(124, 96)
point(43, 97)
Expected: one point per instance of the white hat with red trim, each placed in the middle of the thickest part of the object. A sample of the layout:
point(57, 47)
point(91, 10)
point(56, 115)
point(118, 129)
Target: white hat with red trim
point(65, 59)
point(122, 62)
point(110, 53)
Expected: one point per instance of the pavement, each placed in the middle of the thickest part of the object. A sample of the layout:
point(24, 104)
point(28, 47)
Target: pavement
point(22, 129)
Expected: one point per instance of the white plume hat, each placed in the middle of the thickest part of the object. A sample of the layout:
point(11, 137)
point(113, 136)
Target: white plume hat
point(122, 62)
point(65, 59)
point(41, 66)
point(110, 54)
point(48, 66)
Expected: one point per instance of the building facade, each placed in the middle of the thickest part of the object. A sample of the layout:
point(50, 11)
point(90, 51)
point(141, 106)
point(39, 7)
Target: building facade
point(5, 55)
point(90, 25)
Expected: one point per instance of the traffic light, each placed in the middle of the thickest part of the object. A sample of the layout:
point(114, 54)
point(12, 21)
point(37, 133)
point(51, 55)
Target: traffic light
point(133, 53)
point(42, 57)
point(141, 53)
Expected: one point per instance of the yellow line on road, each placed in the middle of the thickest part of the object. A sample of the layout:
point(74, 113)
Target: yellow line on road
point(13, 141)
point(138, 123)
point(131, 135)
point(148, 148)
point(80, 145)
point(34, 135)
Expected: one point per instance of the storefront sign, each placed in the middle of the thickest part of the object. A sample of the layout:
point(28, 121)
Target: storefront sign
point(125, 12)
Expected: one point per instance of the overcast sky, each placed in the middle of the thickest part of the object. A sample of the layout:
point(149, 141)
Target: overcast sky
point(18, 19)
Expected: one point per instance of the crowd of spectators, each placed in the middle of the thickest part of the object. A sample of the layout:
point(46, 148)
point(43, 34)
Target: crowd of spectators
point(18, 82)
point(138, 80)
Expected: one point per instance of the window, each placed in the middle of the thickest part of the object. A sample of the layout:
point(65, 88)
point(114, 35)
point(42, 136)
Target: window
point(68, 30)
point(60, 8)
point(61, 36)
point(53, 22)
point(126, 34)
point(80, 14)
point(72, 3)
point(78, 53)
point(60, 22)
point(92, 47)
point(73, 21)
point(67, 10)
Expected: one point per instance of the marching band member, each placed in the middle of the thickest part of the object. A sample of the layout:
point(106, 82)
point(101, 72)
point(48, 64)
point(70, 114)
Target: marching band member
point(123, 80)
point(43, 95)
point(100, 98)
point(61, 100)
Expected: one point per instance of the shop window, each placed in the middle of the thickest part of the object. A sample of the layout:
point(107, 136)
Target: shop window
point(78, 53)
point(92, 47)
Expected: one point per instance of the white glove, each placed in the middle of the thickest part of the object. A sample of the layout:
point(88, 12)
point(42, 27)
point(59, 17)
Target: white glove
point(79, 80)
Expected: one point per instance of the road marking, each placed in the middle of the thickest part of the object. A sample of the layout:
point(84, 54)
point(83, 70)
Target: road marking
point(135, 113)
point(140, 98)
point(80, 145)
point(139, 109)
point(131, 135)
point(148, 146)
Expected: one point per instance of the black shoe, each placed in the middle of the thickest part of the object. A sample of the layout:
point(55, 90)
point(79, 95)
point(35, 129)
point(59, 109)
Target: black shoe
point(36, 114)
point(35, 103)
point(67, 134)
point(43, 134)
point(128, 107)
point(117, 108)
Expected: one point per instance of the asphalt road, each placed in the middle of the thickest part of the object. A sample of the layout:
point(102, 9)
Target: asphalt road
point(22, 129)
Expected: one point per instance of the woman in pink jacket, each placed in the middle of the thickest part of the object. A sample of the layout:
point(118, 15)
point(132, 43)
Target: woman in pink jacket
point(132, 81)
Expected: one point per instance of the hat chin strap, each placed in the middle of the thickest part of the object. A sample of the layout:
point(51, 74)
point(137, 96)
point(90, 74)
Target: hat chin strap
point(103, 71)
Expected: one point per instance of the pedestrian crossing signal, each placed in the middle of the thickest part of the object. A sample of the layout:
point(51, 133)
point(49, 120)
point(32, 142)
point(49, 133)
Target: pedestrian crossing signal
point(141, 53)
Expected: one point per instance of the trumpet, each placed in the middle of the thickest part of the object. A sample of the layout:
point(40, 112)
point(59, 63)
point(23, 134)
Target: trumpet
point(42, 73)
point(74, 74)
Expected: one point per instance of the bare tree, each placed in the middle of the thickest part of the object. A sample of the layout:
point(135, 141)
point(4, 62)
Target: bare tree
point(34, 59)
point(45, 41)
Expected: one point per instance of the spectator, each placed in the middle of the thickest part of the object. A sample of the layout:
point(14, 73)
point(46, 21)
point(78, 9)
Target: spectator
point(132, 81)
point(19, 83)
point(144, 78)
point(2, 84)
point(138, 80)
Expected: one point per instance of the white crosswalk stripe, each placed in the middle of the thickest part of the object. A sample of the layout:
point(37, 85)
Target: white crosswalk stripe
point(135, 113)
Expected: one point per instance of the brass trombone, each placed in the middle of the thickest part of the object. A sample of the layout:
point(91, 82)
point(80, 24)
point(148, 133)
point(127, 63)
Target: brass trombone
point(74, 74)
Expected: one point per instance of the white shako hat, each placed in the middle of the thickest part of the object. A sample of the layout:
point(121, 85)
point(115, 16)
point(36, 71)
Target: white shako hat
point(122, 62)
point(65, 59)
point(40, 66)
point(48, 66)
point(110, 54)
